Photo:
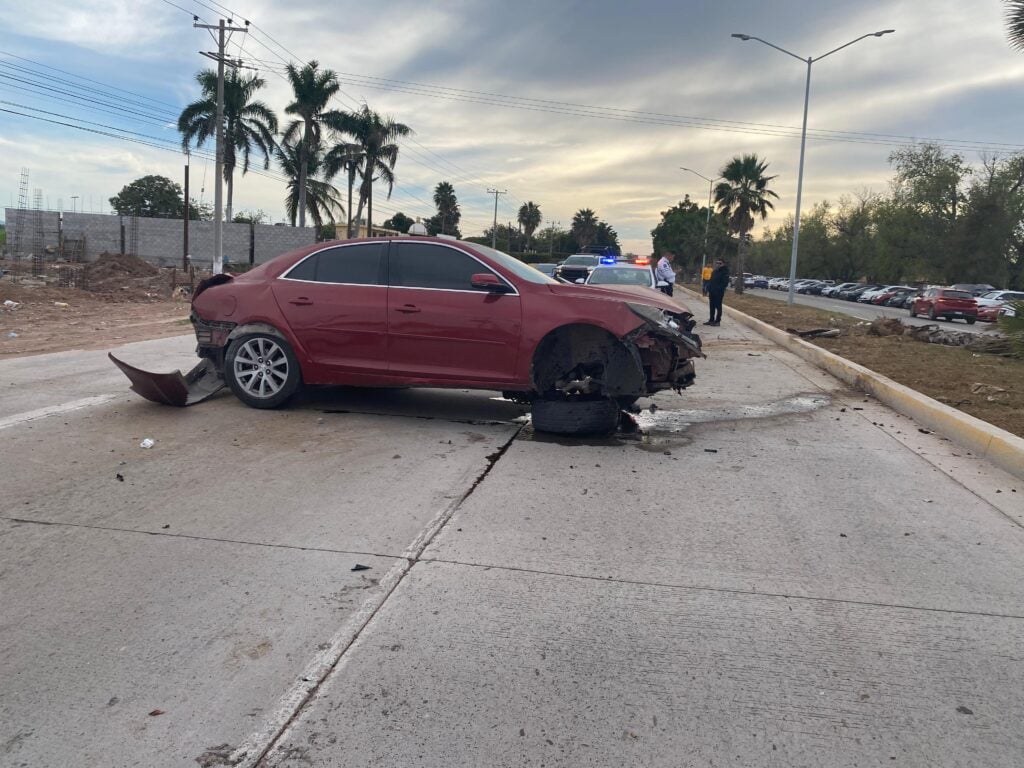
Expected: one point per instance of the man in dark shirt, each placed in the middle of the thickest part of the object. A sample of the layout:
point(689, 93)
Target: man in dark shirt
point(716, 291)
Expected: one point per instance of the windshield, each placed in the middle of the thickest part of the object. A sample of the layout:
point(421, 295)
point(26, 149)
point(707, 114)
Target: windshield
point(513, 265)
point(620, 276)
point(957, 295)
point(583, 261)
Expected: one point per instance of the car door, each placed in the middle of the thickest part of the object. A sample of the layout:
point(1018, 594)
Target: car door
point(439, 326)
point(335, 302)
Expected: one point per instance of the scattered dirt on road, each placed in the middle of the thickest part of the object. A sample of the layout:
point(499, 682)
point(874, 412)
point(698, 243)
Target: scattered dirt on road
point(951, 375)
point(113, 300)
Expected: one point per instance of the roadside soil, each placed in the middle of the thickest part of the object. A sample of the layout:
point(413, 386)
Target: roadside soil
point(112, 301)
point(986, 386)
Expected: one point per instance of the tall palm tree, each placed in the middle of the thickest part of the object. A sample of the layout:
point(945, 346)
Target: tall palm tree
point(743, 195)
point(346, 157)
point(530, 218)
point(1015, 23)
point(377, 137)
point(248, 123)
point(584, 227)
point(303, 169)
point(448, 212)
point(312, 89)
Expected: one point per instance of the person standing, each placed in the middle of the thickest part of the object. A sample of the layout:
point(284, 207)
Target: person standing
point(705, 278)
point(716, 291)
point(664, 275)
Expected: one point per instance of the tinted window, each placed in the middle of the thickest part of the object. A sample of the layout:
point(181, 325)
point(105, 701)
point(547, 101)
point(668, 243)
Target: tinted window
point(426, 265)
point(585, 261)
point(305, 269)
point(620, 276)
point(353, 264)
point(957, 295)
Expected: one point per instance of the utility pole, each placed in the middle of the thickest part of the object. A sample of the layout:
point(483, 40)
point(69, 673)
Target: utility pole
point(74, 203)
point(218, 194)
point(184, 250)
point(494, 230)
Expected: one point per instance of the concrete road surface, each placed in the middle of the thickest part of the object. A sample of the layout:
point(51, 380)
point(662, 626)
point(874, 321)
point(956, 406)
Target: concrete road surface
point(870, 311)
point(771, 571)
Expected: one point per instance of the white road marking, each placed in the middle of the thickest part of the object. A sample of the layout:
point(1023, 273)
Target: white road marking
point(53, 410)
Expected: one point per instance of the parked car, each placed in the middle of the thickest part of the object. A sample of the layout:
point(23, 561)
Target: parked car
point(621, 274)
point(897, 298)
point(576, 267)
point(760, 281)
point(884, 294)
point(975, 289)
point(852, 294)
point(1008, 310)
point(946, 303)
point(431, 312)
point(990, 303)
point(547, 269)
point(832, 290)
point(811, 287)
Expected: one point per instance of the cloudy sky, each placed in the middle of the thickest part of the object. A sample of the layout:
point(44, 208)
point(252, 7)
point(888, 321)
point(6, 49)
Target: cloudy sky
point(569, 104)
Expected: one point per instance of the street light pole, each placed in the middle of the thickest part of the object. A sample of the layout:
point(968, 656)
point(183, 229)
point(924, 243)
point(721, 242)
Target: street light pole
point(707, 223)
point(74, 203)
point(803, 136)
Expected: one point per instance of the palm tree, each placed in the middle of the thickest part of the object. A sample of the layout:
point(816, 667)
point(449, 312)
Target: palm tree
point(248, 124)
point(346, 157)
point(1015, 23)
point(530, 218)
point(742, 195)
point(312, 89)
point(376, 136)
point(448, 211)
point(584, 227)
point(321, 198)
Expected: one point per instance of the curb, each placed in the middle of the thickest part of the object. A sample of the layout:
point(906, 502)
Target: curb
point(985, 440)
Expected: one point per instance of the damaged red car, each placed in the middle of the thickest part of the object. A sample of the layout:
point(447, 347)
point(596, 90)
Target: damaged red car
point(431, 312)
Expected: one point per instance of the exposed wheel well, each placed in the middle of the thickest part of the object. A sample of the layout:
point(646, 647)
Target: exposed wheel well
point(578, 352)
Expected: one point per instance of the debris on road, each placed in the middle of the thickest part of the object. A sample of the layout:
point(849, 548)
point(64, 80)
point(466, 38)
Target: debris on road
point(147, 443)
point(10, 306)
point(120, 477)
point(156, 713)
point(816, 333)
point(710, 450)
point(360, 567)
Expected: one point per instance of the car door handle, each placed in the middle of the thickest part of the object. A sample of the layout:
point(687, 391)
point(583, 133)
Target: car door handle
point(407, 309)
point(301, 301)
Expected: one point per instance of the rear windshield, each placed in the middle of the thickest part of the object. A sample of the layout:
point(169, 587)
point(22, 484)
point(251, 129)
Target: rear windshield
point(620, 276)
point(956, 295)
point(586, 261)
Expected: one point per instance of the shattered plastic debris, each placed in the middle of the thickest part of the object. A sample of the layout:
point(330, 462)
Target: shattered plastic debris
point(12, 335)
point(156, 712)
point(12, 305)
point(147, 443)
point(360, 567)
point(61, 304)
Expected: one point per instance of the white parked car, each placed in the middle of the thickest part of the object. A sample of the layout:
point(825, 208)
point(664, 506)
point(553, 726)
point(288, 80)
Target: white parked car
point(621, 274)
point(867, 296)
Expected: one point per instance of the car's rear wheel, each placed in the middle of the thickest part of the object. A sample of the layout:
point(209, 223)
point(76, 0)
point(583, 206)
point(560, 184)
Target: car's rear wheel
point(970, 320)
point(575, 417)
point(262, 370)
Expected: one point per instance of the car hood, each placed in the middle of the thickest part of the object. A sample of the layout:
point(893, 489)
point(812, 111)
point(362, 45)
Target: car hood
point(635, 294)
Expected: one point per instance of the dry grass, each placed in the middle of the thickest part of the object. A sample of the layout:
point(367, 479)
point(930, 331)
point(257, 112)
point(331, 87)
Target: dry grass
point(948, 374)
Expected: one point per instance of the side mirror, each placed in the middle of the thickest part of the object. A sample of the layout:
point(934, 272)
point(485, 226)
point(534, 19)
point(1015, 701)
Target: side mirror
point(485, 281)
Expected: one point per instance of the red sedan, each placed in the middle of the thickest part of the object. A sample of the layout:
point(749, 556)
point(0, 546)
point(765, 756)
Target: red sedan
point(947, 303)
point(431, 312)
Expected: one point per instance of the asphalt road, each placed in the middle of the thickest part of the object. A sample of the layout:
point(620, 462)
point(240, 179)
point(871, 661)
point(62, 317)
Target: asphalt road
point(772, 571)
point(869, 311)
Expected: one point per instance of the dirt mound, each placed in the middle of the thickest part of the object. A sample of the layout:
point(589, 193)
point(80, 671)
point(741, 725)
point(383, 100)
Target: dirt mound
point(127, 277)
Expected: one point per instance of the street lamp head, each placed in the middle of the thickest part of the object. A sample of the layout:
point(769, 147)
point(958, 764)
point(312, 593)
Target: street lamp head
point(884, 32)
point(740, 36)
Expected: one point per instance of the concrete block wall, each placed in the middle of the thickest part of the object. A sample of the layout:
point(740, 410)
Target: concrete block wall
point(25, 221)
point(159, 240)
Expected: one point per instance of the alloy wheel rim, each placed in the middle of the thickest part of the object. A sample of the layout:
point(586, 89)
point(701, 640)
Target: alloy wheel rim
point(261, 368)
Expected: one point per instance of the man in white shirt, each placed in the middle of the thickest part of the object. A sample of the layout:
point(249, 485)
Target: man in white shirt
point(664, 275)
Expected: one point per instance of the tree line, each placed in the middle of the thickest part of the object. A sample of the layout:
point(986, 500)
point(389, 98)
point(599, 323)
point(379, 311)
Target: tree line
point(942, 220)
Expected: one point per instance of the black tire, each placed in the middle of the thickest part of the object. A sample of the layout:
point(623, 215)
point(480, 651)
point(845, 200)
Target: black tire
point(575, 417)
point(970, 320)
point(931, 313)
point(913, 313)
point(272, 376)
